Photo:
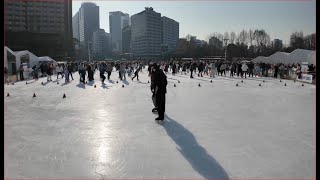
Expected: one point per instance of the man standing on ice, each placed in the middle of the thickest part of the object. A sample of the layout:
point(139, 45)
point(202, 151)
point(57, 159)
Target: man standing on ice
point(152, 87)
point(160, 90)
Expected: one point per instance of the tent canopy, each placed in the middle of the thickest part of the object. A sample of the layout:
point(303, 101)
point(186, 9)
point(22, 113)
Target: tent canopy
point(296, 56)
point(299, 56)
point(33, 59)
point(312, 58)
point(260, 59)
point(278, 57)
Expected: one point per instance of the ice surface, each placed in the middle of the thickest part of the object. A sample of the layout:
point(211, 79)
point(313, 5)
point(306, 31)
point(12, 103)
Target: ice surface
point(216, 131)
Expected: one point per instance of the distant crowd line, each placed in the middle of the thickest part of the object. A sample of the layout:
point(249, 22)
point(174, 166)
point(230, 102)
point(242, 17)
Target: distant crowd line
point(132, 69)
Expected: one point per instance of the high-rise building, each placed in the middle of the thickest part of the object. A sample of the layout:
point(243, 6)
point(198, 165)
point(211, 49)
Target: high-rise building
point(213, 41)
point(101, 44)
point(88, 22)
point(117, 21)
point(146, 34)
point(277, 44)
point(75, 29)
point(126, 39)
point(75, 26)
point(42, 27)
point(169, 33)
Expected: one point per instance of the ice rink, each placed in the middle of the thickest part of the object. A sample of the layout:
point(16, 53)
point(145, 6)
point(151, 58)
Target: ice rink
point(216, 131)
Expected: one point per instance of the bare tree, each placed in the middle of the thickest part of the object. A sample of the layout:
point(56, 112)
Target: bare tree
point(220, 37)
point(226, 36)
point(232, 37)
point(250, 36)
point(243, 37)
point(296, 40)
point(261, 38)
point(215, 34)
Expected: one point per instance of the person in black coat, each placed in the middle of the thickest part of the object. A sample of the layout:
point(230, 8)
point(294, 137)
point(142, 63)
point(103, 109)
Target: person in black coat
point(250, 68)
point(152, 87)
point(173, 69)
point(276, 69)
point(102, 71)
point(192, 68)
point(70, 70)
point(160, 90)
point(239, 69)
point(90, 72)
point(200, 69)
point(149, 69)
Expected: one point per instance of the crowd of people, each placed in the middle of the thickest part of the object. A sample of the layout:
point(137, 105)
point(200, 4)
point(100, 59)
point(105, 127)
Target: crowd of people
point(157, 71)
point(240, 69)
point(192, 68)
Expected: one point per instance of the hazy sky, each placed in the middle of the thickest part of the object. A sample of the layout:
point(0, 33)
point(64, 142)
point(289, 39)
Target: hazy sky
point(200, 18)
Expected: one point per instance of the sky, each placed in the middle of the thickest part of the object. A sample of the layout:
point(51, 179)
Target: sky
point(201, 18)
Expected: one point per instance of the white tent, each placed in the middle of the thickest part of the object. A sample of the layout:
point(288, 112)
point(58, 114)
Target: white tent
point(32, 59)
point(312, 58)
point(260, 59)
point(47, 59)
point(278, 57)
point(299, 56)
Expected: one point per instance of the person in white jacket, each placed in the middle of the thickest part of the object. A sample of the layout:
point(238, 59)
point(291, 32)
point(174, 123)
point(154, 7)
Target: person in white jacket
point(213, 69)
point(244, 69)
point(59, 71)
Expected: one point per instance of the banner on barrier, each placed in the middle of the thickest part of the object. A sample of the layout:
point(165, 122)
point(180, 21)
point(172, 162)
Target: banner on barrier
point(305, 78)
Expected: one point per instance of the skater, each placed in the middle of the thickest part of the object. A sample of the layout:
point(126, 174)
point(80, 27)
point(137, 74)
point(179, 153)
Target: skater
point(232, 69)
point(21, 72)
point(166, 68)
point(59, 71)
point(122, 70)
point(250, 68)
point(223, 69)
point(69, 67)
point(102, 71)
point(136, 74)
point(152, 87)
point(43, 71)
point(206, 69)
point(35, 72)
point(149, 70)
point(109, 69)
point(90, 72)
point(192, 68)
point(276, 68)
point(200, 69)
point(184, 69)
point(239, 70)
point(174, 69)
point(5, 74)
point(82, 72)
point(213, 69)
point(160, 84)
point(256, 70)
point(244, 69)
point(49, 72)
point(66, 75)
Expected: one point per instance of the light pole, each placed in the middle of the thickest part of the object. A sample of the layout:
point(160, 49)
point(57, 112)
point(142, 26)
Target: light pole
point(89, 49)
